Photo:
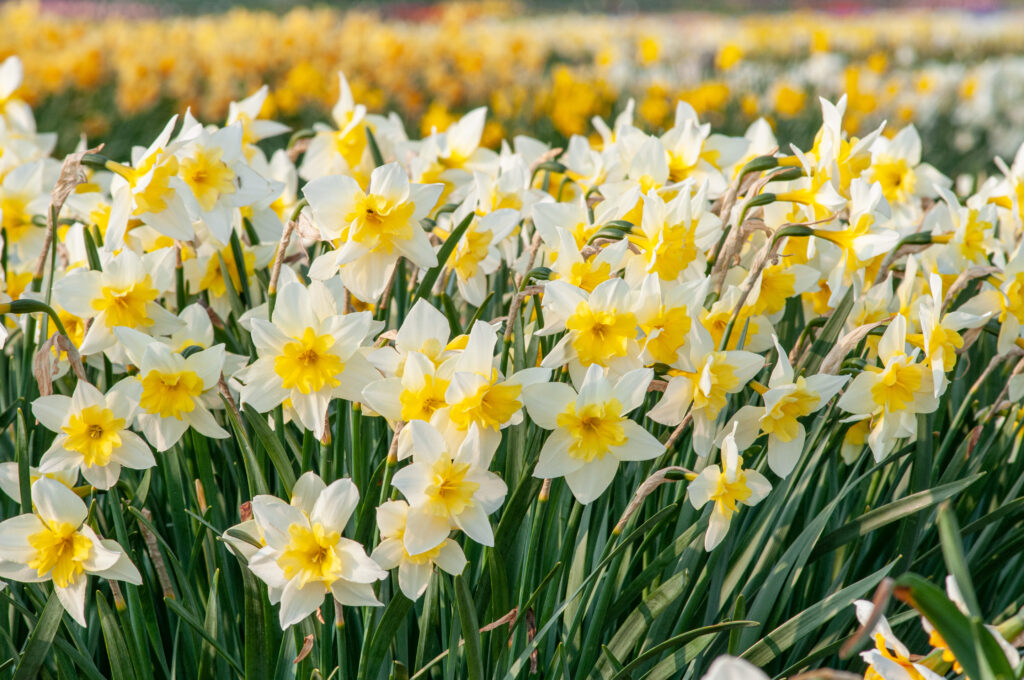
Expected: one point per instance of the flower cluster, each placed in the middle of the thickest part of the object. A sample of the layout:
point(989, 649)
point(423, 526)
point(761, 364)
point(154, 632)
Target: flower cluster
point(621, 307)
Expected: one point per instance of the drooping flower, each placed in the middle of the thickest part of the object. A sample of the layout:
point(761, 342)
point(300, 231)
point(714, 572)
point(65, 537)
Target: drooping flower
point(414, 570)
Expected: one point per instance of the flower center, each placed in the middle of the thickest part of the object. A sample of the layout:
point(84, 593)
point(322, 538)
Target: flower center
point(449, 492)
point(95, 433)
point(60, 552)
point(208, 176)
point(170, 394)
point(896, 385)
point(491, 406)
point(307, 363)
point(311, 555)
point(126, 306)
point(422, 403)
point(781, 420)
point(595, 429)
point(377, 225)
point(600, 334)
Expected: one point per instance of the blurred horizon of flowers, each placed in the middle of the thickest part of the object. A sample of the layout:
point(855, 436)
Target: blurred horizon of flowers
point(957, 73)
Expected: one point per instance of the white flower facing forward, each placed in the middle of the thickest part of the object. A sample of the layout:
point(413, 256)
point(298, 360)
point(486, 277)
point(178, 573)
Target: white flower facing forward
point(305, 556)
point(787, 399)
point(309, 355)
point(726, 486)
point(893, 394)
point(123, 294)
point(54, 543)
point(414, 571)
point(93, 435)
point(591, 430)
point(170, 389)
point(702, 381)
point(375, 227)
point(446, 491)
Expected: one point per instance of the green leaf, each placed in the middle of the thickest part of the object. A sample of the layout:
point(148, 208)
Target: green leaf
point(208, 655)
point(953, 553)
point(678, 641)
point(880, 517)
point(827, 337)
point(117, 649)
point(198, 627)
point(971, 643)
point(40, 640)
point(810, 619)
point(384, 635)
point(272, 445)
point(470, 630)
point(443, 253)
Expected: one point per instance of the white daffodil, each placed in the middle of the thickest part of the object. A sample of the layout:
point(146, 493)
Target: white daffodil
point(892, 394)
point(204, 273)
point(675, 236)
point(591, 429)
point(375, 227)
point(219, 179)
point(446, 490)
point(569, 264)
point(247, 113)
point(665, 313)
point(601, 327)
point(786, 400)
point(149, 190)
point(93, 435)
point(124, 294)
point(964, 234)
point(476, 254)
point(479, 395)
point(424, 331)
point(890, 659)
point(700, 382)
point(171, 391)
point(896, 165)
point(940, 333)
point(414, 571)
point(22, 198)
point(417, 394)
point(341, 150)
point(310, 355)
point(306, 557)
point(725, 487)
point(53, 543)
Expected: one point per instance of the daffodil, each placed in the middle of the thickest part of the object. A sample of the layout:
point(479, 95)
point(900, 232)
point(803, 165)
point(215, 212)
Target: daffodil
point(417, 394)
point(309, 355)
point(342, 149)
point(149, 190)
point(446, 489)
point(414, 570)
point(600, 327)
point(787, 399)
point(375, 227)
point(591, 429)
point(569, 264)
point(22, 198)
point(479, 395)
point(896, 165)
point(54, 543)
point(92, 435)
point(726, 487)
point(476, 254)
point(893, 393)
point(306, 557)
point(700, 383)
point(219, 179)
point(10, 478)
point(424, 331)
point(125, 293)
point(172, 392)
point(890, 659)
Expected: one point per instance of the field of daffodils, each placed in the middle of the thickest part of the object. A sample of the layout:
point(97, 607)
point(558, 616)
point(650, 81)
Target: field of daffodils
point(518, 347)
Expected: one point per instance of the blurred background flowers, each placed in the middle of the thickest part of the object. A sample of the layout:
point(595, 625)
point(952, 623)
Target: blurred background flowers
point(957, 74)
